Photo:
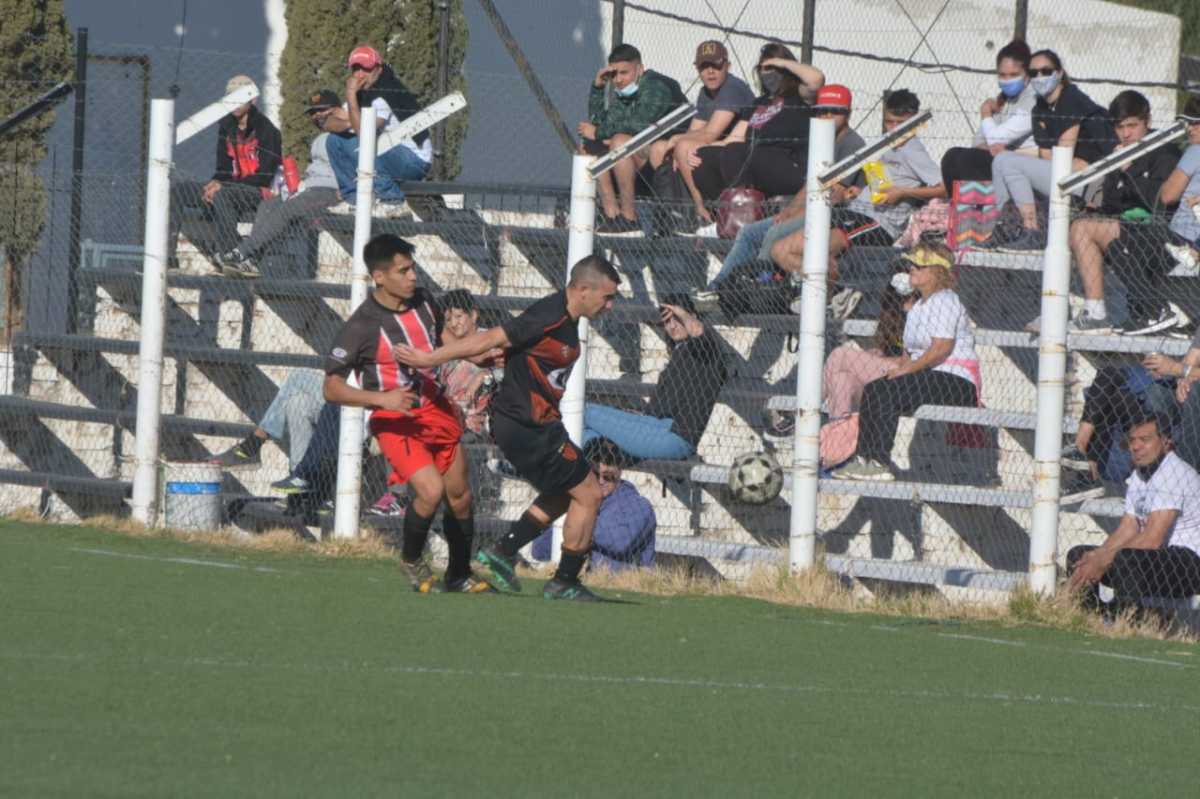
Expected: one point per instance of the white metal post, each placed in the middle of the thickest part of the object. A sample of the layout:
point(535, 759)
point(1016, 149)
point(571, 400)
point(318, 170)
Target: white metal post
point(154, 301)
point(806, 454)
point(1051, 384)
point(579, 246)
point(350, 436)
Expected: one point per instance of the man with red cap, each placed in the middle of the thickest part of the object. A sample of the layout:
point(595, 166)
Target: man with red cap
point(373, 85)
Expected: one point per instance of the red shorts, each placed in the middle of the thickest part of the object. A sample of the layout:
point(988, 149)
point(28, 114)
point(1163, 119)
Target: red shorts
point(426, 436)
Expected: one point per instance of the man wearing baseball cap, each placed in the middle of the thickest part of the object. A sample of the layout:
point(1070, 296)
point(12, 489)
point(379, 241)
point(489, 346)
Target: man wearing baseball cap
point(317, 191)
point(373, 84)
point(720, 101)
point(249, 149)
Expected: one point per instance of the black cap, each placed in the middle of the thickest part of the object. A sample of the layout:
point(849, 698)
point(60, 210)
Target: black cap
point(319, 101)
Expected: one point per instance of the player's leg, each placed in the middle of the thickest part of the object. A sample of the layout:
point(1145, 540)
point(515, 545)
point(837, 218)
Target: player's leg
point(412, 463)
point(458, 525)
point(501, 558)
point(577, 542)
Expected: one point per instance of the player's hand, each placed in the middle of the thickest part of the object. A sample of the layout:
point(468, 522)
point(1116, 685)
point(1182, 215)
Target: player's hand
point(398, 399)
point(587, 130)
point(419, 359)
point(210, 191)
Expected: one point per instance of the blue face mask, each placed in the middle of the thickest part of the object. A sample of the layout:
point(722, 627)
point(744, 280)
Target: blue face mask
point(1011, 88)
point(628, 90)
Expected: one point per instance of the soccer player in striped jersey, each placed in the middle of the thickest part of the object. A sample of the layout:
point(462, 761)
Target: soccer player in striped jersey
point(417, 426)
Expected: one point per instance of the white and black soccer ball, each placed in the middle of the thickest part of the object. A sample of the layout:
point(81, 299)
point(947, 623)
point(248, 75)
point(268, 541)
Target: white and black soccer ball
point(755, 478)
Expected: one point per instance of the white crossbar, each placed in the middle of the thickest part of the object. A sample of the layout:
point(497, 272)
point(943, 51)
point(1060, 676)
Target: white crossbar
point(642, 139)
point(424, 119)
point(853, 162)
point(1119, 158)
point(212, 112)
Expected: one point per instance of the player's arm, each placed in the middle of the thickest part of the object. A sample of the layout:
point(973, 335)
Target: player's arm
point(338, 391)
point(480, 343)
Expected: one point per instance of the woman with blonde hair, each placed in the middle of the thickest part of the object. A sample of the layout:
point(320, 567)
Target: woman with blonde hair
point(939, 365)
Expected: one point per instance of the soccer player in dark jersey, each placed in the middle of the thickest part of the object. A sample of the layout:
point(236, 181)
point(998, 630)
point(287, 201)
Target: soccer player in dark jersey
point(417, 426)
point(541, 346)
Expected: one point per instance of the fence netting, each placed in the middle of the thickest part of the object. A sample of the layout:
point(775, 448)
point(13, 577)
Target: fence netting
point(930, 375)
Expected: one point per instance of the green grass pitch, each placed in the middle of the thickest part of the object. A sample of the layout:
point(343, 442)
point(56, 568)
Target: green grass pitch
point(154, 667)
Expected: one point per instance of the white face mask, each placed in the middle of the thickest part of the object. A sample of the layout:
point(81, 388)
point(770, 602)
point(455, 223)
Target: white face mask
point(1044, 86)
point(902, 284)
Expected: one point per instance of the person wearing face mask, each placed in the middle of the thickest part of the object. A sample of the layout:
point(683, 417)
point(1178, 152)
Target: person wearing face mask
point(640, 97)
point(1007, 120)
point(1063, 116)
point(768, 148)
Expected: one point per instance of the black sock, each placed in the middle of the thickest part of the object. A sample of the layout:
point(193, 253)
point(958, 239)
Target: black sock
point(459, 533)
point(523, 530)
point(570, 565)
point(251, 444)
point(416, 532)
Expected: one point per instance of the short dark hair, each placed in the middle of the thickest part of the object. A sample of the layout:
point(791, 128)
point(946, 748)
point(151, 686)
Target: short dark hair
point(1192, 106)
point(459, 299)
point(603, 452)
point(1016, 50)
point(680, 300)
point(1129, 104)
point(1161, 423)
point(590, 269)
point(382, 249)
point(624, 52)
point(901, 102)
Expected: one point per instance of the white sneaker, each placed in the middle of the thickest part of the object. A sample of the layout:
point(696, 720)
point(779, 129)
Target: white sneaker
point(860, 468)
point(842, 304)
point(1087, 325)
point(1185, 257)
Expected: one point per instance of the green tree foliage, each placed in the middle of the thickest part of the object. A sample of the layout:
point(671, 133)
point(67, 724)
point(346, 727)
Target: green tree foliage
point(321, 33)
point(1188, 12)
point(35, 54)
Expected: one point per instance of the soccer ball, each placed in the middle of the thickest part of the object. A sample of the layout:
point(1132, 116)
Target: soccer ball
point(755, 478)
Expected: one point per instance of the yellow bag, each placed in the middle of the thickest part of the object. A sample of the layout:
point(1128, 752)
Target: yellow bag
point(877, 179)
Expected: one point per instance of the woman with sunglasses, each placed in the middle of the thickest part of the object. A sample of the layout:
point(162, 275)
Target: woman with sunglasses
point(939, 366)
point(1063, 116)
point(768, 148)
point(1006, 120)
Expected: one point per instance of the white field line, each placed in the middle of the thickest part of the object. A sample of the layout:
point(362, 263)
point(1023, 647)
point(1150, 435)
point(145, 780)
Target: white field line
point(351, 668)
point(963, 637)
point(216, 564)
point(1137, 658)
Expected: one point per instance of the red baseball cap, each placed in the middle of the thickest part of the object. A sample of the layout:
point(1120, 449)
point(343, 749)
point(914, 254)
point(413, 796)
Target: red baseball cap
point(364, 56)
point(835, 97)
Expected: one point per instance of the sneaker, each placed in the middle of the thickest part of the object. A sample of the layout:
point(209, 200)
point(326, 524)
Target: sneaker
point(842, 304)
point(1075, 458)
point(1087, 325)
point(1168, 317)
point(503, 468)
point(389, 505)
point(617, 226)
point(780, 426)
point(1186, 258)
point(568, 589)
point(1028, 240)
point(504, 573)
point(860, 468)
point(236, 457)
point(292, 485)
point(423, 580)
point(706, 302)
point(234, 264)
point(471, 584)
point(1077, 486)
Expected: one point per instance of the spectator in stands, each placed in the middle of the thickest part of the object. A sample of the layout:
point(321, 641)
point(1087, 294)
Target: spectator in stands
point(466, 383)
point(1063, 116)
point(374, 84)
point(1184, 184)
point(768, 149)
point(754, 241)
point(249, 151)
point(291, 417)
point(940, 366)
point(640, 97)
point(683, 400)
point(1127, 233)
point(1117, 396)
point(1007, 121)
point(876, 220)
point(1155, 550)
point(625, 524)
point(275, 216)
point(721, 101)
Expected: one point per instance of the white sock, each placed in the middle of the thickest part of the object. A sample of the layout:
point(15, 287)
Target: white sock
point(1095, 309)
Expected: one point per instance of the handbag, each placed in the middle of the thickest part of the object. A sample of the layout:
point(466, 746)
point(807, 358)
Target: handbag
point(737, 207)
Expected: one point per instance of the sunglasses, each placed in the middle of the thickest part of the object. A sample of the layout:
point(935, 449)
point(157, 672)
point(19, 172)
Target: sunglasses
point(360, 68)
point(1044, 72)
point(717, 65)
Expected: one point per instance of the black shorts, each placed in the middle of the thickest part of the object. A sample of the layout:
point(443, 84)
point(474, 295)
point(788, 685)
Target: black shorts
point(861, 229)
point(541, 454)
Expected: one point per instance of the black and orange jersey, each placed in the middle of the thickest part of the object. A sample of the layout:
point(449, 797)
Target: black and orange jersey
point(543, 346)
point(364, 346)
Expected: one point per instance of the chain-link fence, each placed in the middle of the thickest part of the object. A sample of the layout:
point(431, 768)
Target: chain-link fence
point(927, 465)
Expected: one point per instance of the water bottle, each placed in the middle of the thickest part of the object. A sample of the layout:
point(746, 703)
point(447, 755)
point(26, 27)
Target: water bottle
point(291, 174)
point(279, 184)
